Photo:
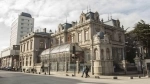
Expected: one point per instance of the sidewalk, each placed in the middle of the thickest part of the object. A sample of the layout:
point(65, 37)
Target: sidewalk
point(63, 74)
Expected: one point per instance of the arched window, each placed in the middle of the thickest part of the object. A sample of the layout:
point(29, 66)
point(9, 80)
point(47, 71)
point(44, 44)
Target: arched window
point(59, 29)
point(108, 53)
point(86, 33)
point(102, 54)
point(31, 45)
point(30, 60)
point(72, 38)
point(119, 37)
point(82, 19)
point(95, 54)
point(27, 45)
point(26, 61)
point(69, 38)
point(23, 61)
point(57, 41)
point(61, 40)
point(79, 37)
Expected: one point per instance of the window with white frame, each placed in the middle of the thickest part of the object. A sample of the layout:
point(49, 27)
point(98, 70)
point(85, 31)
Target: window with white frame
point(26, 61)
point(61, 39)
point(23, 61)
point(30, 60)
point(86, 35)
point(72, 38)
point(79, 37)
point(108, 53)
point(102, 54)
point(119, 37)
point(42, 43)
point(27, 45)
point(31, 45)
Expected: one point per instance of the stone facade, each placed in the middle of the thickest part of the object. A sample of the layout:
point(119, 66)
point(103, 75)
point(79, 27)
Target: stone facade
point(9, 61)
point(30, 47)
point(102, 42)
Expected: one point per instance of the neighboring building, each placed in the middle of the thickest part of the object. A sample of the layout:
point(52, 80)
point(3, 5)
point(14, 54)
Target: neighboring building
point(31, 46)
point(102, 42)
point(6, 58)
point(23, 25)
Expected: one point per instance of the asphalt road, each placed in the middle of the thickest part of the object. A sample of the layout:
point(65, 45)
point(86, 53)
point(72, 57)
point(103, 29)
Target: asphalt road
point(7, 77)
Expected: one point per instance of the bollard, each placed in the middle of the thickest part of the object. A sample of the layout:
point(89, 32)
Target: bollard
point(139, 76)
point(39, 73)
point(115, 77)
point(73, 75)
point(67, 75)
point(45, 73)
point(97, 77)
point(131, 77)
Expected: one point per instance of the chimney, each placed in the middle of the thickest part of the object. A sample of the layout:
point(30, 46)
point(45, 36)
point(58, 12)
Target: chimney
point(44, 30)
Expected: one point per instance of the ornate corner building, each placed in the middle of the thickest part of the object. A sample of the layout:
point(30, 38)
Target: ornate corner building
point(99, 45)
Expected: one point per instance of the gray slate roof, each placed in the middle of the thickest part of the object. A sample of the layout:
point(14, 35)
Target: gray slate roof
point(26, 14)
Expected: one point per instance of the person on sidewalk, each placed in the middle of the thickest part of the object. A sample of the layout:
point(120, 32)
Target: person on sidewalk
point(83, 71)
point(86, 72)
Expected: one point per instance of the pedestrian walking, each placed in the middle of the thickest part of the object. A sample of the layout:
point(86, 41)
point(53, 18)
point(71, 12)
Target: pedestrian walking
point(87, 71)
point(83, 71)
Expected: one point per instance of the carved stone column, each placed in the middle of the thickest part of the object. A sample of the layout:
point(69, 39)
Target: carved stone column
point(92, 68)
point(56, 66)
point(97, 67)
point(77, 66)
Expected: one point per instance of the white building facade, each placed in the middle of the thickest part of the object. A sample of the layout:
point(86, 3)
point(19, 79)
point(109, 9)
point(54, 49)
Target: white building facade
point(23, 25)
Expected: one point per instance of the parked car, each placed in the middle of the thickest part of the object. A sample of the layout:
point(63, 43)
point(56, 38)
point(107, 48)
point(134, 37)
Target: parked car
point(9, 68)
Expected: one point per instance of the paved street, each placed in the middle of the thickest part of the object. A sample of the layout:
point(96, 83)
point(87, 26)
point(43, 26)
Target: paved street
point(7, 77)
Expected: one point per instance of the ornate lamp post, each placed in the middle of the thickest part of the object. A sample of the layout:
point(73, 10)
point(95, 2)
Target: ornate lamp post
point(74, 57)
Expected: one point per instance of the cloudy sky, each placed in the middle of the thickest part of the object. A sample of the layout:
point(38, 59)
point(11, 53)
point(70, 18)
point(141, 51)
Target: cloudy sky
point(49, 13)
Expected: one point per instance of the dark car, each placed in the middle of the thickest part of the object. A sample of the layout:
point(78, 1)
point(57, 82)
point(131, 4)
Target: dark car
point(9, 68)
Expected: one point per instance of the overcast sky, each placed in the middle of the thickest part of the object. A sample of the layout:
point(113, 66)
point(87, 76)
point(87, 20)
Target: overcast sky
point(49, 13)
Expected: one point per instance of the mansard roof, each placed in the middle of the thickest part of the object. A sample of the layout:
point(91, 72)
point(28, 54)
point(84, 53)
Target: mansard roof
point(89, 15)
point(112, 22)
point(66, 25)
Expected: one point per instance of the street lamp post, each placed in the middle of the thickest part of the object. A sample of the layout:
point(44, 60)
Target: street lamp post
point(14, 57)
point(142, 66)
point(50, 32)
point(36, 53)
point(74, 57)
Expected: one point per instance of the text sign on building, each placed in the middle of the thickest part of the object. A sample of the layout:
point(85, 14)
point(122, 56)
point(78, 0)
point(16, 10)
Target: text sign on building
point(16, 47)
